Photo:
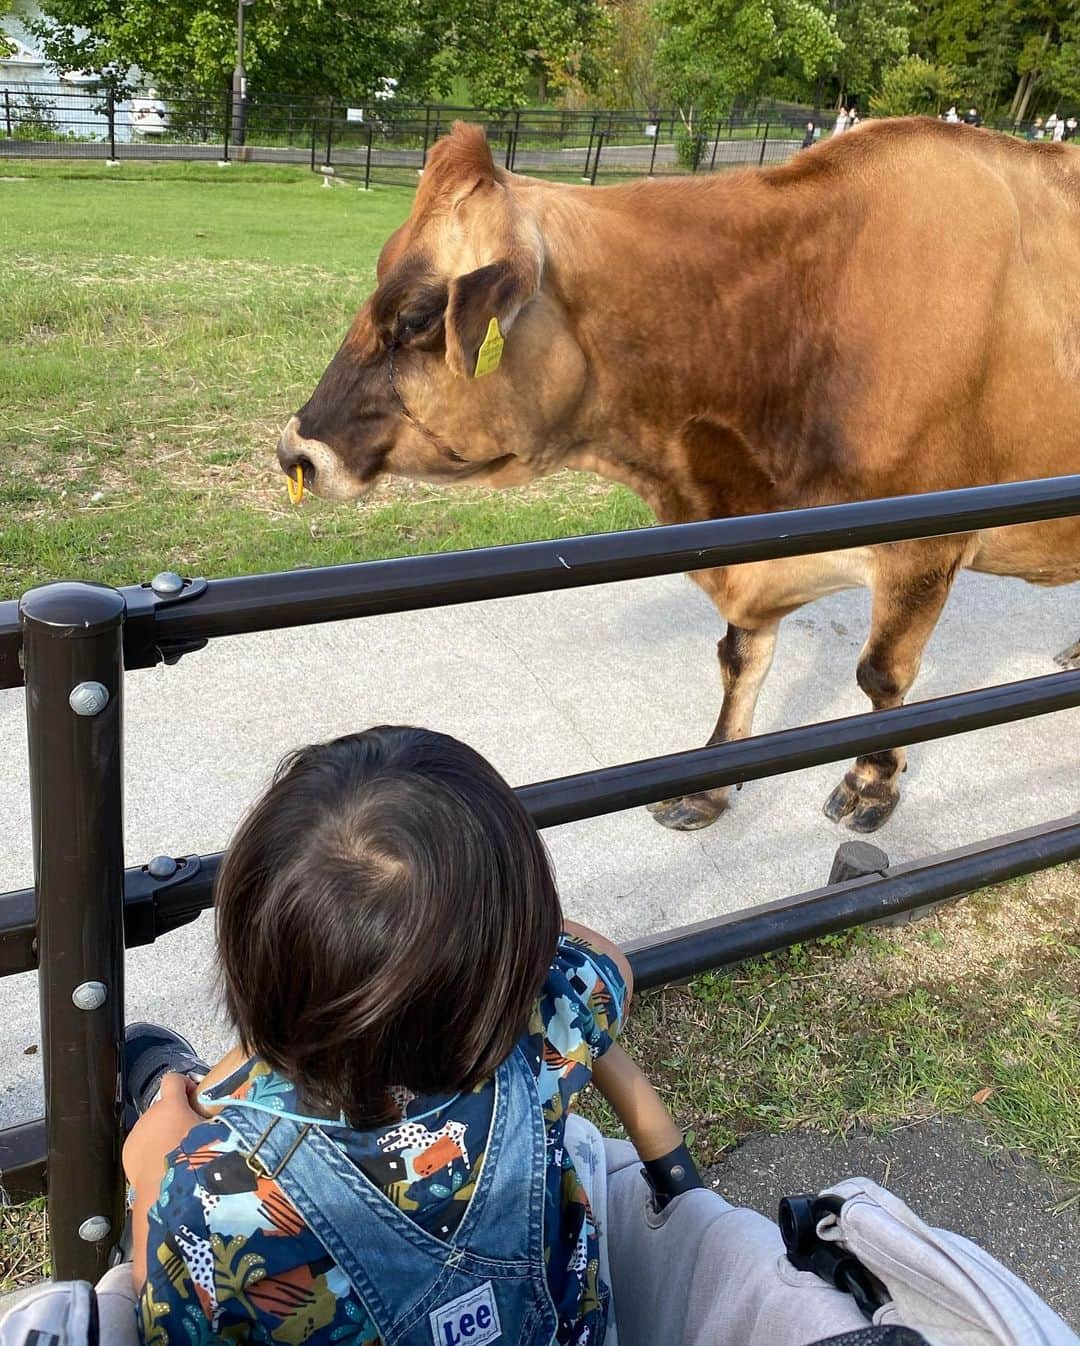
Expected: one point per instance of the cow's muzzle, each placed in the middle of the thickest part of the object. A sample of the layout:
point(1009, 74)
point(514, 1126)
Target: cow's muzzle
point(324, 472)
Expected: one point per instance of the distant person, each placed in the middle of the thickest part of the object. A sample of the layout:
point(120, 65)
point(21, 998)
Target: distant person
point(952, 115)
point(972, 118)
point(1059, 129)
point(1051, 124)
point(1038, 130)
point(808, 138)
point(853, 119)
point(1070, 129)
point(841, 122)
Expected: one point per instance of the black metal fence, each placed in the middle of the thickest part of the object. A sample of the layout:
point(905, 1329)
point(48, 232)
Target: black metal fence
point(70, 644)
point(381, 141)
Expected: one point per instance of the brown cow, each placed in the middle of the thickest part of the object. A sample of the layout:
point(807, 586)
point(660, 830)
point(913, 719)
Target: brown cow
point(894, 311)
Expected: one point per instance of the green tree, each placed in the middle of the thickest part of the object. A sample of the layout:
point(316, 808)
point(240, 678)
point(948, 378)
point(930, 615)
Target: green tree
point(625, 55)
point(714, 51)
point(1061, 68)
point(340, 47)
point(502, 46)
point(914, 85)
point(1009, 51)
point(875, 36)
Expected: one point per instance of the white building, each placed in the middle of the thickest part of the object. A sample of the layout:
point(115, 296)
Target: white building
point(31, 92)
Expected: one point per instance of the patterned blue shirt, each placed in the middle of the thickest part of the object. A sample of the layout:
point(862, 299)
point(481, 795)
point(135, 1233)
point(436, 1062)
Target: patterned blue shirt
point(230, 1259)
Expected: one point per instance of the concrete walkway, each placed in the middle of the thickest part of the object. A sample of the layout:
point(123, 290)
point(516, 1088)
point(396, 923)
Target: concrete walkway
point(546, 685)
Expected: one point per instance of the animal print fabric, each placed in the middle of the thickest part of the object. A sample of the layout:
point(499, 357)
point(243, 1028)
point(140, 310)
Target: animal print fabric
point(229, 1258)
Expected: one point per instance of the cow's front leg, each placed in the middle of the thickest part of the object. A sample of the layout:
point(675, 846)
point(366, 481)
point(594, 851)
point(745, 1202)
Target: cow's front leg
point(745, 658)
point(906, 606)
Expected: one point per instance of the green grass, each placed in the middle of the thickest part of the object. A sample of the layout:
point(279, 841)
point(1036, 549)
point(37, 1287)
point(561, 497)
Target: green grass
point(875, 1027)
point(158, 323)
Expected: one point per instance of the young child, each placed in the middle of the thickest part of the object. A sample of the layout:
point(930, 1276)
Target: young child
point(383, 1160)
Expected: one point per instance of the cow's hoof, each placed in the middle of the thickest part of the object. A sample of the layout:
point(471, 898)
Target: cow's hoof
point(1069, 658)
point(863, 811)
point(841, 802)
point(691, 812)
point(873, 813)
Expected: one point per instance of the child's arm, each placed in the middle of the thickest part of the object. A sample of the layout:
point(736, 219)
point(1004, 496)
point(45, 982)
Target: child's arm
point(669, 1168)
point(154, 1136)
point(636, 1103)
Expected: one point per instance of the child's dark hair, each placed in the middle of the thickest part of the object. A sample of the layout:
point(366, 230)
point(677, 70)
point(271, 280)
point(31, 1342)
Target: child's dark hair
point(386, 915)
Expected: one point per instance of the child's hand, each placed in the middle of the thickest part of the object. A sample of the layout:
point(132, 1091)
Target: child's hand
point(154, 1136)
point(160, 1130)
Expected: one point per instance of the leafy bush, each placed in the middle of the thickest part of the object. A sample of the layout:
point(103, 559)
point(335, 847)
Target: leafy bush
point(916, 86)
point(689, 147)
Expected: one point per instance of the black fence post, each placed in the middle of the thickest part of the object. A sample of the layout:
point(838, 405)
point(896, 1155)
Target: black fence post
point(110, 112)
point(225, 132)
point(596, 158)
point(592, 138)
point(655, 142)
point(764, 142)
point(329, 134)
point(314, 134)
point(367, 161)
point(7, 111)
point(73, 655)
point(715, 144)
point(427, 133)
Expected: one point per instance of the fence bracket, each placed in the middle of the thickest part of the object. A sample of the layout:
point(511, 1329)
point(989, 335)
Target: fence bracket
point(143, 647)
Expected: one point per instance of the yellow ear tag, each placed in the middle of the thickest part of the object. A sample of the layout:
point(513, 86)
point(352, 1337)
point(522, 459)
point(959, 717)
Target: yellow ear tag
point(490, 352)
point(295, 482)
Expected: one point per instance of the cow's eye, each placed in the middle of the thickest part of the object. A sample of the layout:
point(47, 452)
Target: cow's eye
point(411, 323)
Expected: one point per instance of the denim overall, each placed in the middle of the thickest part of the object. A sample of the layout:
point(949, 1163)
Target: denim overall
point(486, 1283)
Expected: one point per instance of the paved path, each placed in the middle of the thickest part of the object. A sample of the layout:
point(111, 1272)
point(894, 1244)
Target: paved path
point(545, 685)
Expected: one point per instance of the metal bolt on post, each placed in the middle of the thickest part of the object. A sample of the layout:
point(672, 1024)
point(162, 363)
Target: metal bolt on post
point(72, 642)
point(166, 583)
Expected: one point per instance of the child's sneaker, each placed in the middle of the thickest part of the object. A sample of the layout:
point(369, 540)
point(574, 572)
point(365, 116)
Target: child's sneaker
point(151, 1052)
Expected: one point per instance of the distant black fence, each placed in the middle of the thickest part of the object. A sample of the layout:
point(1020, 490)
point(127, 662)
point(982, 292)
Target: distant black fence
point(382, 141)
point(387, 141)
point(70, 645)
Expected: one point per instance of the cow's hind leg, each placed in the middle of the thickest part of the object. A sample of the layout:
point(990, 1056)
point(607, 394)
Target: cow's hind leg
point(910, 588)
point(745, 658)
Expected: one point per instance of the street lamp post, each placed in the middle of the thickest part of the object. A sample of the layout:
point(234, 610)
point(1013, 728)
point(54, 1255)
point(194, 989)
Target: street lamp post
point(239, 82)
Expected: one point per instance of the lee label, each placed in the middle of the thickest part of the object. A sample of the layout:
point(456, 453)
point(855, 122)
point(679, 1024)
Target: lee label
point(470, 1320)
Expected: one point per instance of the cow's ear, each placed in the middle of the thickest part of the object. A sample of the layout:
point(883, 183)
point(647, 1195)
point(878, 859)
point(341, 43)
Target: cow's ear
point(499, 290)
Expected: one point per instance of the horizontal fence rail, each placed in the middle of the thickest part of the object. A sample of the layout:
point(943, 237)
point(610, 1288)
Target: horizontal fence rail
point(335, 593)
point(152, 908)
point(660, 959)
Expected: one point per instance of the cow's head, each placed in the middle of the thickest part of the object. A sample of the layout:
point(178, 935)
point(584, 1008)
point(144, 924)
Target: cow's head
point(402, 394)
